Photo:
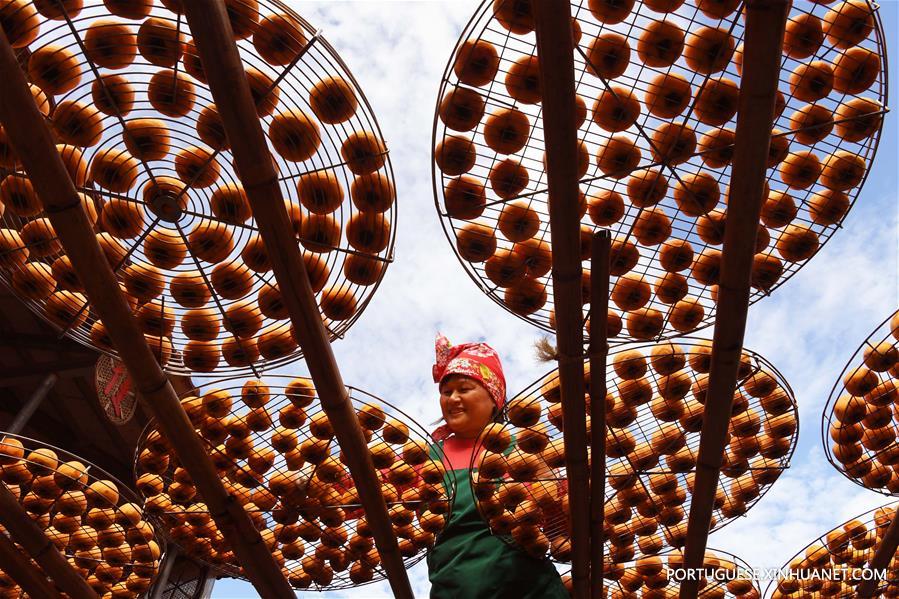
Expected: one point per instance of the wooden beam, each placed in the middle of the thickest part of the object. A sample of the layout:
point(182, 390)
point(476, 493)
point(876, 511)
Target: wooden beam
point(29, 535)
point(763, 43)
point(36, 148)
point(23, 571)
point(555, 50)
point(212, 34)
point(21, 373)
point(598, 352)
point(44, 342)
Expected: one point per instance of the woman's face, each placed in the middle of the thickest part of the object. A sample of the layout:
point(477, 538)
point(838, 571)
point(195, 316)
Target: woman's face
point(467, 406)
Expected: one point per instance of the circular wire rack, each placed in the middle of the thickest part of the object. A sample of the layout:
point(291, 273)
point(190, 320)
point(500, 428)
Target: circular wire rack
point(96, 521)
point(661, 81)
point(655, 404)
point(858, 428)
point(276, 452)
point(724, 576)
point(836, 562)
point(125, 94)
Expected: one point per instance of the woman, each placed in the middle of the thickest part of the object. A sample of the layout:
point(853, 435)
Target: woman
point(468, 562)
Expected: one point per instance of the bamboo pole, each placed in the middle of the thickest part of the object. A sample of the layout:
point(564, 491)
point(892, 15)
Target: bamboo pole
point(882, 557)
point(35, 147)
point(555, 49)
point(208, 21)
point(23, 571)
point(763, 41)
point(24, 531)
point(598, 352)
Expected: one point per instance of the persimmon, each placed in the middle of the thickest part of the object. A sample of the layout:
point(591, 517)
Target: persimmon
point(455, 155)
point(508, 178)
point(812, 81)
point(476, 62)
point(362, 270)
point(211, 129)
point(368, 232)
point(800, 170)
point(211, 241)
point(618, 156)
point(171, 93)
point(523, 81)
point(848, 23)
point(475, 242)
point(275, 342)
point(671, 288)
point(514, 15)
point(320, 233)
point(526, 296)
point(610, 12)
point(716, 147)
point(673, 143)
point(676, 255)
point(644, 323)
point(706, 268)
point(652, 227)
point(537, 255)
point(803, 36)
point(197, 166)
point(811, 123)
point(160, 42)
point(338, 303)
point(708, 50)
point(608, 56)
point(797, 243)
point(667, 95)
point(279, 39)
point(189, 289)
point(77, 124)
point(646, 188)
point(717, 9)
point(686, 315)
point(55, 69)
point(201, 356)
point(40, 237)
point(605, 208)
point(518, 221)
point(294, 135)
point(623, 257)
point(363, 152)
point(506, 130)
point(147, 139)
point(114, 169)
point(113, 95)
point(19, 197)
point(842, 171)
point(373, 192)
point(630, 292)
point(857, 119)
point(766, 271)
point(716, 102)
point(660, 44)
point(34, 281)
point(333, 100)
point(20, 21)
point(616, 109)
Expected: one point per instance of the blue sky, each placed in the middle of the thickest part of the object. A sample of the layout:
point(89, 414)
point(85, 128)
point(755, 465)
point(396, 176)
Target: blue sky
point(808, 328)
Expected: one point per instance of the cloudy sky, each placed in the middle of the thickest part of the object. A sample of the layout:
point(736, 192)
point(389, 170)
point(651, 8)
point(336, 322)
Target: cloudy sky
point(808, 328)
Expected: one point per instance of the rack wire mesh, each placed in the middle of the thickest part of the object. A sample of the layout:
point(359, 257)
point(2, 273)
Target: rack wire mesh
point(858, 427)
point(657, 85)
point(276, 453)
point(836, 562)
point(96, 521)
point(124, 92)
point(655, 403)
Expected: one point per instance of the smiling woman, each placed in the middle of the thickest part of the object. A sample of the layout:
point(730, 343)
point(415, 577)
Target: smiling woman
point(469, 561)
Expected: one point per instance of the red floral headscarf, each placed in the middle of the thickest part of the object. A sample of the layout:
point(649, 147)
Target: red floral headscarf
point(476, 360)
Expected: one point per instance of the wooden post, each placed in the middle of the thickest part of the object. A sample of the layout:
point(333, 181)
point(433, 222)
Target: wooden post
point(211, 29)
point(555, 50)
point(763, 43)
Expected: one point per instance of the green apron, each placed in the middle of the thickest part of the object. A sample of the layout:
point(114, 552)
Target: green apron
point(468, 562)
